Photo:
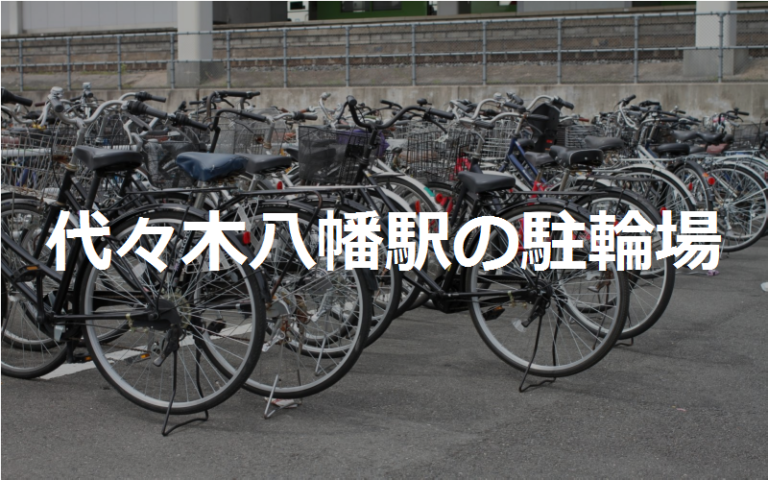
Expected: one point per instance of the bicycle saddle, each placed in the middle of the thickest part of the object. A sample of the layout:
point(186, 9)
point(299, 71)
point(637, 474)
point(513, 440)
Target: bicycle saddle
point(603, 143)
point(266, 163)
point(205, 167)
point(684, 136)
point(674, 148)
point(540, 160)
point(588, 157)
point(711, 138)
point(104, 160)
point(482, 182)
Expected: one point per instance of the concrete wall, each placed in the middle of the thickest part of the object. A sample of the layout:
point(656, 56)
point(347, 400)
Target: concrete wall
point(73, 16)
point(697, 99)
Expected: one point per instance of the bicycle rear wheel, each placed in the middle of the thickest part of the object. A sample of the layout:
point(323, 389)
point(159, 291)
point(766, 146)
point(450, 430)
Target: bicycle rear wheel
point(582, 314)
point(221, 320)
point(650, 290)
point(318, 321)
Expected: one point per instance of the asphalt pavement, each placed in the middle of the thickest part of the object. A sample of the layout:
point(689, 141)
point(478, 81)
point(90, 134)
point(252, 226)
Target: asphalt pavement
point(690, 398)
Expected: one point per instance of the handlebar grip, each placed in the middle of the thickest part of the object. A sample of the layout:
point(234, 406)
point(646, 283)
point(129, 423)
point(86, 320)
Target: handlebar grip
point(309, 116)
point(441, 113)
point(144, 96)
point(514, 106)
point(236, 93)
point(567, 105)
point(489, 112)
point(391, 104)
point(58, 107)
point(681, 112)
point(482, 124)
point(629, 99)
point(351, 101)
point(252, 116)
point(515, 98)
point(8, 97)
point(137, 108)
point(746, 114)
point(185, 120)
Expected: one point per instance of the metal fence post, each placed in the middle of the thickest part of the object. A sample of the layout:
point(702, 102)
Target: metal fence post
point(413, 54)
point(347, 57)
point(637, 52)
point(285, 58)
point(559, 51)
point(173, 63)
point(229, 64)
point(69, 64)
point(119, 64)
point(21, 66)
point(485, 53)
point(720, 51)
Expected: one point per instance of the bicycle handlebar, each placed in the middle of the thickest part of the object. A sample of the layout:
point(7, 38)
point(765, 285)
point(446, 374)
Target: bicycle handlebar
point(57, 105)
point(559, 101)
point(369, 126)
point(628, 99)
point(136, 107)
point(8, 97)
point(236, 93)
point(144, 96)
point(391, 104)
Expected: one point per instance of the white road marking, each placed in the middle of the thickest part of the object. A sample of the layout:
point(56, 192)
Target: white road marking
point(70, 368)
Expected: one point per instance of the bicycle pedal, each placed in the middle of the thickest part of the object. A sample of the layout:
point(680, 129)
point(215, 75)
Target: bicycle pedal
point(493, 313)
point(27, 273)
point(81, 358)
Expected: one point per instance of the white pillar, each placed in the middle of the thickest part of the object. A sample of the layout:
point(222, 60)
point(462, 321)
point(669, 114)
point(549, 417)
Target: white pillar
point(195, 17)
point(706, 63)
point(16, 23)
point(708, 26)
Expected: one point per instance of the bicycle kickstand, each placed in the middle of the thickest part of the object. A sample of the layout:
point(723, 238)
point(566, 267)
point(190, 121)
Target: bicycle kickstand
point(167, 431)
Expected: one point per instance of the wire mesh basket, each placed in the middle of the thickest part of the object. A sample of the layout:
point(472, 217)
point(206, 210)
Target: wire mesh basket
point(108, 131)
point(573, 136)
point(244, 135)
point(328, 156)
point(438, 156)
point(747, 136)
point(496, 141)
point(161, 150)
point(404, 128)
point(33, 158)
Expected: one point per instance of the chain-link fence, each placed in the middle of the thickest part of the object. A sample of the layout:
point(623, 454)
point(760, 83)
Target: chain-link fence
point(658, 47)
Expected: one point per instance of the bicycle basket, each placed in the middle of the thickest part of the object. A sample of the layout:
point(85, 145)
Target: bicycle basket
point(243, 135)
point(746, 135)
point(573, 136)
point(329, 156)
point(161, 151)
point(438, 156)
point(33, 158)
